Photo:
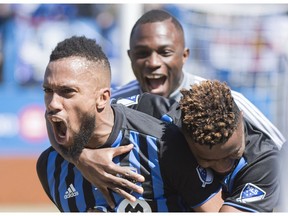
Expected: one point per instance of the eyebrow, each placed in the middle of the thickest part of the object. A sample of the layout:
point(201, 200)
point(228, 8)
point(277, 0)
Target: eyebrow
point(62, 87)
point(140, 46)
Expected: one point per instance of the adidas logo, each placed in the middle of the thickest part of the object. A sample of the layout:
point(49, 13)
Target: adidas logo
point(71, 192)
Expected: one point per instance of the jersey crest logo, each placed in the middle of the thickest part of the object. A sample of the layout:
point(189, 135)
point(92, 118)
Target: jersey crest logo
point(205, 175)
point(251, 193)
point(137, 206)
point(129, 101)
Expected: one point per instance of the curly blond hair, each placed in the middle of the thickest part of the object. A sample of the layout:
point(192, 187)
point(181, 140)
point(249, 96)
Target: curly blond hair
point(209, 113)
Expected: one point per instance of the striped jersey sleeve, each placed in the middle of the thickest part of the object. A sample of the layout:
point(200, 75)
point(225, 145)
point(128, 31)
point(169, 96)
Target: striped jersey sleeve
point(258, 119)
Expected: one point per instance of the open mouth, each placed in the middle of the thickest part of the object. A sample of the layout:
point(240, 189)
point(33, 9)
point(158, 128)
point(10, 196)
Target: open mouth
point(59, 129)
point(155, 80)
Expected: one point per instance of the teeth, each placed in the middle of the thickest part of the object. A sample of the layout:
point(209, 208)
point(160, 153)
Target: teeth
point(56, 120)
point(154, 76)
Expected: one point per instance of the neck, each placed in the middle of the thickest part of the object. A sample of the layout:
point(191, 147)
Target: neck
point(103, 128)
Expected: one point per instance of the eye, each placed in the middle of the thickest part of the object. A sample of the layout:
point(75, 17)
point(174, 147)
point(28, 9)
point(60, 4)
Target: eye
point(166, 52)
point(142, 54)
point(47, 90)
point(66, 92)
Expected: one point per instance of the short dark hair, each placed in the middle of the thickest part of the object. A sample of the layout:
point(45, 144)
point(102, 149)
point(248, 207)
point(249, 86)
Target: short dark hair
point(209, 112)
point(157, 16)
point(82, 47)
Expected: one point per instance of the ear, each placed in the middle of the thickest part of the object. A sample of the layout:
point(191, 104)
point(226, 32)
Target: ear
point(186, 54)
point(103, 99)
point(129, 54)
point(241, 114)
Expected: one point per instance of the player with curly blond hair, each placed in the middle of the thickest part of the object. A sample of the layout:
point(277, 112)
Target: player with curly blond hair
point(209, 112)
point(244, 159)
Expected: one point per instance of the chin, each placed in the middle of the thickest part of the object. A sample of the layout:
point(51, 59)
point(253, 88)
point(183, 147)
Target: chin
point(158, 92)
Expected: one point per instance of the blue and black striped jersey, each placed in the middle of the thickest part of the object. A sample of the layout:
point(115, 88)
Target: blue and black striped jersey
point(173, 180)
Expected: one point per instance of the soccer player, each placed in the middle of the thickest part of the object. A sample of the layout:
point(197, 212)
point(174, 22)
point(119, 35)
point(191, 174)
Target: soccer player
point(244, 159)
point(77, 99)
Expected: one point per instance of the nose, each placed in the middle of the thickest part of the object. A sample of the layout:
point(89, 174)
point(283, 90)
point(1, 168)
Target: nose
point(53, 103)
point(154, 60)
point(222, 166)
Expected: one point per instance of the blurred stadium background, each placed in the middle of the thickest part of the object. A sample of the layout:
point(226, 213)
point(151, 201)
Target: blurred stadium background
point(245, 45)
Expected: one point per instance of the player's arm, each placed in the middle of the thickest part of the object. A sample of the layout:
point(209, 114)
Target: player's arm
point(215, 204)
point(258, 119)
point(226, 208)
point(257, 189)
point(212, 205)
point(97, 167)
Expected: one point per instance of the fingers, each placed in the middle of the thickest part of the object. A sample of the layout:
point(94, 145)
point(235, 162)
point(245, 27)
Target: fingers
point(108, 197)
point(124, 194)
point(129, 174)
point(126, 173)
point(124, 184)
point(121, 186)
point(126, 179)
point(122, 149)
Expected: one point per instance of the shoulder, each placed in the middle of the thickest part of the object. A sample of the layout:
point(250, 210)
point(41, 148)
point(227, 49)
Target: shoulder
point(156, 102)
point(260, 148)
point(41, 168)
point(142, 122)
point(250, 182)
point(258, 119)
point(192, 79)
point(49, 156)
point(44, 157)
point(127, 90)
point(151, 104)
